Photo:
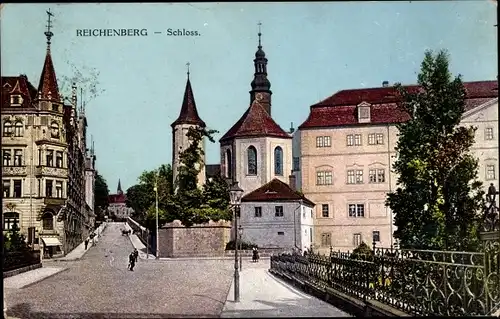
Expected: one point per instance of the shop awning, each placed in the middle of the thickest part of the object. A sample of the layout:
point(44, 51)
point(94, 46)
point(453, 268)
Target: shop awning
point(51, 241)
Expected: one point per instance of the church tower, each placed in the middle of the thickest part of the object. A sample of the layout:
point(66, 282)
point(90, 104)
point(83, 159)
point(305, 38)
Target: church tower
point(260, 83)
point(187, 118)
point(119, 188)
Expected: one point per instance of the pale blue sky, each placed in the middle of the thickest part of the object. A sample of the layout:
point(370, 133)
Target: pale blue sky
point(314, 50)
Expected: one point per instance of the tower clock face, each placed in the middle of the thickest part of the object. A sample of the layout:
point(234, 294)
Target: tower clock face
point(259, 97)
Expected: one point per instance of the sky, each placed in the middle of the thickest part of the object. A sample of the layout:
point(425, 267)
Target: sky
point(314, 50)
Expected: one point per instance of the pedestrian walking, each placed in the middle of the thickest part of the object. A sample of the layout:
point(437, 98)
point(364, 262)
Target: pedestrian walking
point(254, 254)
point(131, 261)
point(257, 253)
point(136, 254)
point(86, 243)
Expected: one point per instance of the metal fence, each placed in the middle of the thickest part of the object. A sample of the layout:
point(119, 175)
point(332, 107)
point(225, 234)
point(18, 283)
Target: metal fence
point(417, 282)
point(19, 259)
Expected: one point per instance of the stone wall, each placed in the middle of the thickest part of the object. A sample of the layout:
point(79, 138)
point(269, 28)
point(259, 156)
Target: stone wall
point(196, 241)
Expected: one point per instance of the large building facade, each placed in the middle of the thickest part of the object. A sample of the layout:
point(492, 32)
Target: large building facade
point(118, 205)
point(43, 167)
point(346, 152)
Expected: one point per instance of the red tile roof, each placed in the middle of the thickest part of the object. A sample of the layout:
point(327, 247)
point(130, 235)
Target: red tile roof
point(340, 108)
point(189, 113)
point(17, 85)
point(48, 81)
point(117, 198)
point(275, 191)
point(255, 122)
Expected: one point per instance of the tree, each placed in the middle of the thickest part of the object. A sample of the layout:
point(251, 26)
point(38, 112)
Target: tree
point(438, 197)
point(15, 241)
point(101, 196)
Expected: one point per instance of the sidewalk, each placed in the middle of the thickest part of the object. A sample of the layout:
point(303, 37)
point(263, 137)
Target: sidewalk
point(262, 295)
point(25, 279)
point(80, 250)
point(137, 243)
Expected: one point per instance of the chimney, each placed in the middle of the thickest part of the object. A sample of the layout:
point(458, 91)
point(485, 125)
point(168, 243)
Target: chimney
point(291, 128)
point(385, 84)
point(292, 182)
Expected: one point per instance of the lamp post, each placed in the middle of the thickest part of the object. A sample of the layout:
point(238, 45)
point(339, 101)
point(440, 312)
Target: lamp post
point(236, 193)
point(240, 232)
point(157, 229)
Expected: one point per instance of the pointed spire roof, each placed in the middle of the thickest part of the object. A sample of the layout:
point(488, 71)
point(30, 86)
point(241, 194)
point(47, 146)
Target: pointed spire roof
point(260, 81)
point(47, 87)
point(189, 113)
point(119, 189)
point(256, 122)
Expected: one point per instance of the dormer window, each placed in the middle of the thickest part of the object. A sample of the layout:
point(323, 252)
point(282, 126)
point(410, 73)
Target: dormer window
point(364, 113)
point(16, 100)
point(55, 107)
point(54, 130)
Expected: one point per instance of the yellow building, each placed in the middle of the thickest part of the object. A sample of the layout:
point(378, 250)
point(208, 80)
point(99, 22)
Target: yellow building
point(344, 153)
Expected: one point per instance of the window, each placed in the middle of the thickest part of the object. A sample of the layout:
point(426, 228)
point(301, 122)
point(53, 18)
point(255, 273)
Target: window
point(48, 188)
point(18, 129)
point(59, 189)
point(364, 112)
point(376, 236)
point(252, 160)
point(18, 157)
point(351, 177)
point(9, 219)
point(490, 172)
point(488, 133)
point(371, 139)
point(357, 139)
point(6, 188)
point(296, 163)
point(310, 235)
point(54, 130)
point(357, 240)
point(50, 158)
point(229, 164)
point(326, 240)
point(380, 139)
point(324, 178)
point(281, 233)
point(323, 141)
point(324, 210)
point(7, 128)
point(359, 176)
point(48, 221)
point(377, 175)
point(59, 159)
point(278, 211)
point(350, 140)
point(356, 210)
point(15, 99)
point(17, 188)
point(278, 161)
point(55, 107)
point(258, 211)
point(6, 157)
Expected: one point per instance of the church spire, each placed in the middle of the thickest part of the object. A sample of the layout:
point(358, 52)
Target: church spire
point(119, 189)
point(260, 81)
point(47, 88)
point(189, 113)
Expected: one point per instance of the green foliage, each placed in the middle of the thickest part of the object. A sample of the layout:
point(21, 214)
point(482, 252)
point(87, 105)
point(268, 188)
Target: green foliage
point(438, 198)
point(14, 240)
point(244, 245)
point(101, 193)
point(361, 252)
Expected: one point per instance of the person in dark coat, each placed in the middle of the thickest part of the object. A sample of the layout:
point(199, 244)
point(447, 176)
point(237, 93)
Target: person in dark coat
point(255, 255)
point(86, 243)
point(136, 254)
point(131, 261)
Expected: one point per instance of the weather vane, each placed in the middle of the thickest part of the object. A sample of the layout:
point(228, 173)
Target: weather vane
point(49, 33)
point(259, 24)
point(188, 64)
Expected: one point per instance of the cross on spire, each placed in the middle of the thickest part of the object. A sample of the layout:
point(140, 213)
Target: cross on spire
point(188, 64)
point(49, 33)
point(259, 24)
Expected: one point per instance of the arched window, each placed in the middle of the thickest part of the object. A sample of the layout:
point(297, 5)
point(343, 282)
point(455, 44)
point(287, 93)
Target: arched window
point(252, 160)
point(229, 164)
point(278, 161)
point(48, 221)
point(54, 130)
point(18, 129)
point(9, 219)
point(7, 128)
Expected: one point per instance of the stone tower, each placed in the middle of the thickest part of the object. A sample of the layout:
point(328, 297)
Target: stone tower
point(187, 118)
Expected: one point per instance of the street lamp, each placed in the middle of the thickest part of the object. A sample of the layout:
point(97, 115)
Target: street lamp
point(240, 232)
point(236, 193)
point(157, 229)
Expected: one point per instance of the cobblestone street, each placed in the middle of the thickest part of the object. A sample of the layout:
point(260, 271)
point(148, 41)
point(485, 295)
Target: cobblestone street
point(100, 284)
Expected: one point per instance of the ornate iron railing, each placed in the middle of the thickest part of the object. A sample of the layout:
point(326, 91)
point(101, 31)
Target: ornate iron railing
point(417, 282)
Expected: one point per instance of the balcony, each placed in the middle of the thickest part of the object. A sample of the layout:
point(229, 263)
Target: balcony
point(51, 171)
point(14, 171)
point(54, 201)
